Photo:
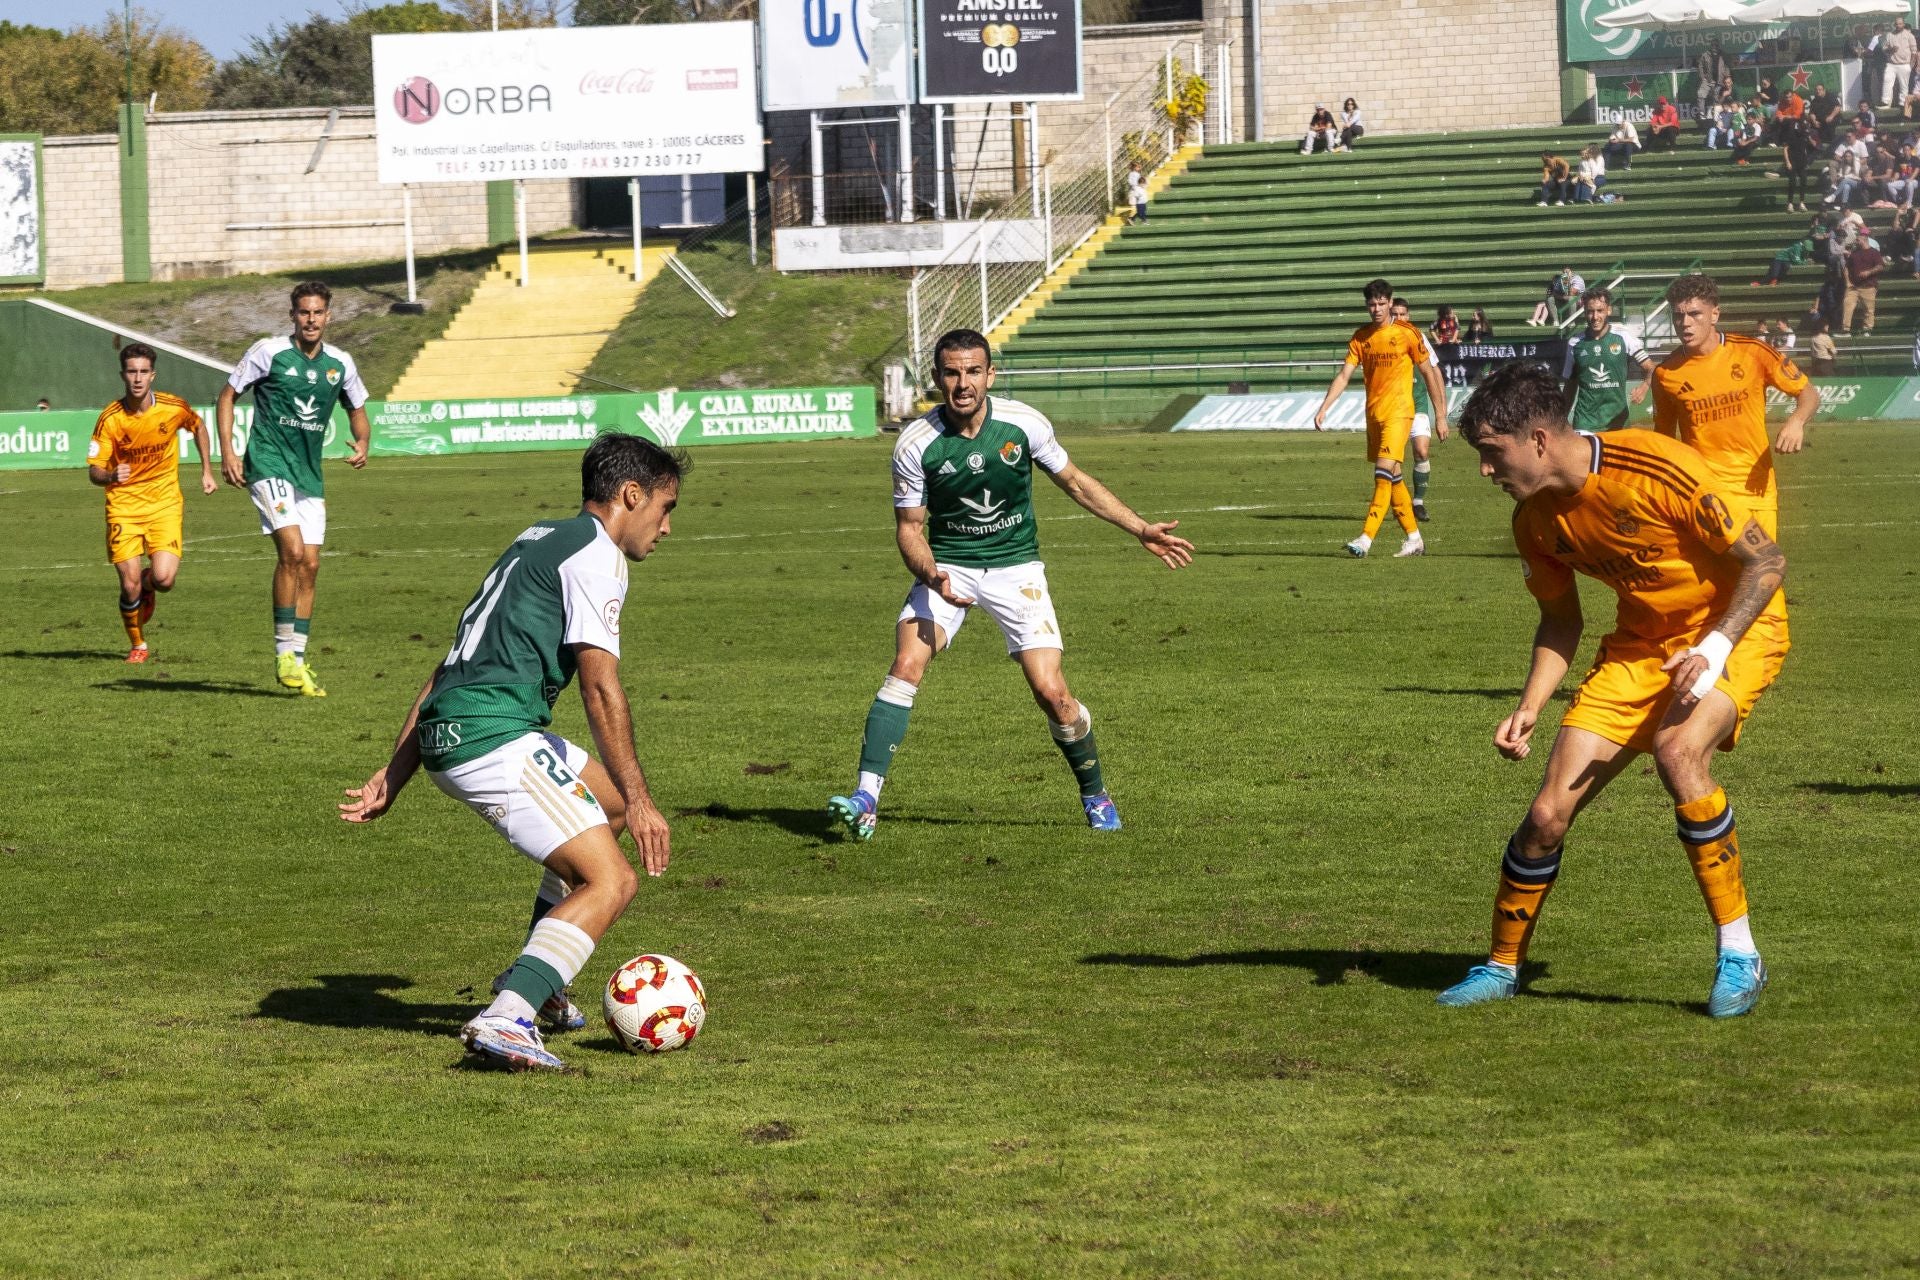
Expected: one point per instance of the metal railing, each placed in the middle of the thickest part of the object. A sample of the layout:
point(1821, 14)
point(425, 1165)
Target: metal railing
point(1018, 245)
point(873, 195)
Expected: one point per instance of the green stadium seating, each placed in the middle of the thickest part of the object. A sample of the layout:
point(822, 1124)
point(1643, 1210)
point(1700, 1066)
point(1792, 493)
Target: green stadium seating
point(1257, 254)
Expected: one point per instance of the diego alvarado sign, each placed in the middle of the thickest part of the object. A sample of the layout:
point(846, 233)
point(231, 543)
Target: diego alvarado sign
point(572, 102)
point(1018, 49)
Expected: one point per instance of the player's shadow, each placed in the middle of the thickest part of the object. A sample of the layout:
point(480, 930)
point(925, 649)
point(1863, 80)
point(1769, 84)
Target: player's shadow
point(1407, 970)
point(818, 823)
point(64, 655)
point(1302, 515)
point(1496, 695)
point(131, 685)
point(359, 1001)
point(1862, 788)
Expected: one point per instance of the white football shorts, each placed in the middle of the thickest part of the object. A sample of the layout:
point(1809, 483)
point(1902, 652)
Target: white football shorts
point(281, 505)
point(1422, 427)
point(530, 790)
point(1016, 597)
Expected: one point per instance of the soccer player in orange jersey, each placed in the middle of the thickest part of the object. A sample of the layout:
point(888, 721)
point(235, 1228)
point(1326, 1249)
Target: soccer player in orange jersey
point(1677, 675)
point(135, 456)
point(1389, 352)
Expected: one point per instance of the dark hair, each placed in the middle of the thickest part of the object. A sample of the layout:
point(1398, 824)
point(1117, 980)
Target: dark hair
point(1443, 312)
point(1349, 103)
point(1690, 287)
point(1513, 400)
point(960, 340)
point(1399, 301)
point(311, 289)
point(616, 457)
point(137, 351)
point(1599, 291)
point(1377, 288)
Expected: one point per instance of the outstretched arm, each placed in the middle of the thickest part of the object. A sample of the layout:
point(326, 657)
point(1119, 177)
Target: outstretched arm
point(1158, 539)
point(374, 797)
point(611, 719)
point(1763, 567)
point(1554, 643)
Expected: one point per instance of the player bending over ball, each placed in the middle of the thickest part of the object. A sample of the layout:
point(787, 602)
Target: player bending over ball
point(549, 607)
point(963, 520)
point(1677, 676)
point(1388, 351)
point(135, 456)
point(296, 380)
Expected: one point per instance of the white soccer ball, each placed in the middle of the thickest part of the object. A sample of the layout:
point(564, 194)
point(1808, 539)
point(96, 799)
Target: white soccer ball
point(654, 1004)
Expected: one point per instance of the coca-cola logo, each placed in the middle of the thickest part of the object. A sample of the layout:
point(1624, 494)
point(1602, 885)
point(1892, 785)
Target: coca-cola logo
point(631, 80)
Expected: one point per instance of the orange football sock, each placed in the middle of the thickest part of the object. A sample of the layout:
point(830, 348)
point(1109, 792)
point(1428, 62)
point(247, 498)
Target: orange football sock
point(1713, 847)
point(1516, 907)
point(1403, 507)
point(130, 619)
point(1382, 496)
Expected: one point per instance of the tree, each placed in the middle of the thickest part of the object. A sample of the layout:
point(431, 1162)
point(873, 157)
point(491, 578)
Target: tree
point(514, 14)
point(321, 62)
point(65, 83)
point(616, 13)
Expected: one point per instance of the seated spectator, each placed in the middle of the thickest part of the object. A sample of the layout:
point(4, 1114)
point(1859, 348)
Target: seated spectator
point(1767, 97)
point(1622, 143)
point(1663, 127)
point(1553, 179)
point(1321, 132)
point(1845, 174)
point(1821, 352)
point(1586, 185)
point(1564, 292)
point(1794, 255)
point(1792, 107)
point(1900, 241)
point(1865, 117)
point(1446, 326)
point(1479, 328)
point(1720, 128)
point(1780, 338)
point(1824, 110)
point(1746, 136)
point(1351, 124)
point(1727, 95)
point(1849, 228)
point(1880, 179)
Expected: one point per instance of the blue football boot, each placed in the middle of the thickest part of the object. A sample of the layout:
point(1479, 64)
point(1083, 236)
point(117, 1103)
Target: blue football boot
point(1101, 815)
point(1738, 981)
point(1483, 984)
point(859, 812)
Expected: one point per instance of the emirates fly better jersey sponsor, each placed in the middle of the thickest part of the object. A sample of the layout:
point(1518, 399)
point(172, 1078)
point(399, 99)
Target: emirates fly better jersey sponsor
point(561, 583)
point(978, 492)
point(293, 399)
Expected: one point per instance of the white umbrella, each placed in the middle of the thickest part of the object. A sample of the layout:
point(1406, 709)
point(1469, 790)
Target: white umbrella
point(1681, 15)
point(1811, 10)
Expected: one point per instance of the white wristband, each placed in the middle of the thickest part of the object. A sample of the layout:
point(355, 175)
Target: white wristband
point(1715, 648)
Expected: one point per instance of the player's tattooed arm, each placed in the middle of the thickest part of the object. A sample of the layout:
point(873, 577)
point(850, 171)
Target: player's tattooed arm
point(1763, 568)
point(1555, 641)
point(611, 718)
point(910, 535)
point(375, 796)
point(1158, 539)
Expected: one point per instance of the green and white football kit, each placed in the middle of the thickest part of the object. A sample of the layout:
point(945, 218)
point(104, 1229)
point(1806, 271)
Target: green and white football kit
point(979, 499)
point(1605, 368)
point(293, 401)
point(482, 730)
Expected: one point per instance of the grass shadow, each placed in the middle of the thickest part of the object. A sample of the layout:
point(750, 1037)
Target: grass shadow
point(1283, 515)
point(65, 655)
point(1862, 788)
point(359, 1001)
point(1408, 970)
point(131, 685)
point(818, 823)
point(1497, 695)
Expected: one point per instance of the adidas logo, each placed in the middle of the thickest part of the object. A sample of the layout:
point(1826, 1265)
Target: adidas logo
point(947, 469)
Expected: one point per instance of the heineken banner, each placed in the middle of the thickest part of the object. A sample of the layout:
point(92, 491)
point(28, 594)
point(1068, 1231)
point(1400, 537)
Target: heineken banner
point(1631, 97)
point(676, 419)
point(1588, 41)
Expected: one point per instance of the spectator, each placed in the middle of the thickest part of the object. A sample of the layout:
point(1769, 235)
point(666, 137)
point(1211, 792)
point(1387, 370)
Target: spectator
point(43, 404)
point(1901, 240)
point(1823, 109)
point(1864, 265)
point(1881, 167)
point(1727, 96)
point(1768, 96)
point(1848, 230)
point(1622, 143)
point(1834, 286)
point(1564, 292)
point(1351, 124)
point(1821, 352)
point(1845, 175)
point(1596, 157)
point(1899, 46)
point(1797, 151)
point(1794, 255)
point(1586, 179)
point(1781, 339)
point(1709, 69)
point(1746, 137)
point(1479, 329)
point(1873, 66)
point(1446, 326)
point(1137, 193)
point(1553, 179)
point(1865, 118)
point(1811, 321)
point(1663, 126)
point(1320, 131)
point(1720, 128)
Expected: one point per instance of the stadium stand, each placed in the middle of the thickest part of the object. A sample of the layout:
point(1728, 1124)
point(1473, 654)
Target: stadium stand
point(532, 341)
point(1255, 255)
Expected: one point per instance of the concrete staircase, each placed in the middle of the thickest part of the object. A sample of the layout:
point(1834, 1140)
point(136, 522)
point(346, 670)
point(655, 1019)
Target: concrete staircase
point(532, 341)
point(1090, 249)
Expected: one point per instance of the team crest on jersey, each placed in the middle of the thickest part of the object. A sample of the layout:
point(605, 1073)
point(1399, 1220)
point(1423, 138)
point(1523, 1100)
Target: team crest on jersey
point(975, 462)
point(333, 377)
point(1010, 453)
point(1623, 522)
point(1739, 373)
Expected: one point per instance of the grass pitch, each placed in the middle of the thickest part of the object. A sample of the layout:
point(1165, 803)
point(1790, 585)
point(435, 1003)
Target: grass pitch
point(990, 1042)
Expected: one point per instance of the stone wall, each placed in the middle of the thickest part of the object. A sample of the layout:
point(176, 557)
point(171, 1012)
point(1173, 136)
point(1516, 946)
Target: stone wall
point(81, 183)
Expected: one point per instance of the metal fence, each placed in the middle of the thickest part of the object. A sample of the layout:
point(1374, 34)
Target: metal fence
point(876, 195)
point(1077, 188)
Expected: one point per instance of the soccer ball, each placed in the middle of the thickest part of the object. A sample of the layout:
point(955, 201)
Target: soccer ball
point(654, 1004)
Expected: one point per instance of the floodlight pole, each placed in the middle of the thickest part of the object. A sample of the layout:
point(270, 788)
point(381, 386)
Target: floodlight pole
point(406, 192)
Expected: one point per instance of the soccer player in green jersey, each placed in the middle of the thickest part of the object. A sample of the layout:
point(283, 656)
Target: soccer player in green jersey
point(1419, 440)
point(296, 380)
point(963, 520)
point(1605, 371)
point(550, 608)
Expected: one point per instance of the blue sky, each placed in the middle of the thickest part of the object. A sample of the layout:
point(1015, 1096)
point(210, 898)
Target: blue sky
point(223, 26)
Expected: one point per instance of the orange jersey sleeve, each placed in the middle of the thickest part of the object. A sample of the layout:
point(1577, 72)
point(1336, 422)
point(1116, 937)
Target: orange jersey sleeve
point(1717, 403)
point(1651, 524)
point(106, 436)
point(149, 443)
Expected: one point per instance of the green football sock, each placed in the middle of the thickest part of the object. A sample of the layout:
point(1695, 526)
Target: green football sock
point(302, 628)
point(533, 980)
point(1421, 471)
point(1076, 744)
point(886, 729)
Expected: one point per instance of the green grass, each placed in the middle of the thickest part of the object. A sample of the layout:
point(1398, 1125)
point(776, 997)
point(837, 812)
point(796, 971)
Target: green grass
point(805, 329)
point(990, 1042)
point(222, 318)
